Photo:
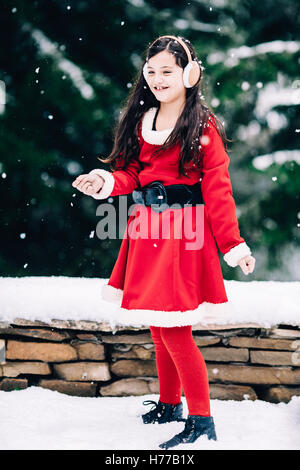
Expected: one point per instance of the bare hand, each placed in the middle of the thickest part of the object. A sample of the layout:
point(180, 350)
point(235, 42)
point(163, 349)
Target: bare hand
point(89, 184)
point(247, 264)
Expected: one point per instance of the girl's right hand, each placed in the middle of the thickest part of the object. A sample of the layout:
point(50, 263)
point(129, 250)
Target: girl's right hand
point(89, 184)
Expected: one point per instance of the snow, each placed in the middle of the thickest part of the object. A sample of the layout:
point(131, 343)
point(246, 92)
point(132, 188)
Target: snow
point(275, 94)
point(194, 24)
point(2, 96)
point(44, 298)
point(47, 47)
point(48, 419)
point(233, 55)
point(261, 162)
point(40, 419)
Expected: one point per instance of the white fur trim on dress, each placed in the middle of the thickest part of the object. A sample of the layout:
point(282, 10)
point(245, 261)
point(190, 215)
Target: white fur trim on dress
point(205, 314)
point(236, 253)
point(108, 185)
point(150, 136)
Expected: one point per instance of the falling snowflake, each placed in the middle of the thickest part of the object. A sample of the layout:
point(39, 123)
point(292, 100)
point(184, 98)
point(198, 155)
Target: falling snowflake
point(204, 140)
point(245, 86)
point(215, 102)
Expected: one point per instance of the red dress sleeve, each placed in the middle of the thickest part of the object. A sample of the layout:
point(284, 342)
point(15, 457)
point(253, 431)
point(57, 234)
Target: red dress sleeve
point(120, 181)
point(218, 198)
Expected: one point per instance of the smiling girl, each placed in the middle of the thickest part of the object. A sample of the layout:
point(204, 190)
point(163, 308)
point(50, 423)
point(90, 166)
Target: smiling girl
point(168, 149)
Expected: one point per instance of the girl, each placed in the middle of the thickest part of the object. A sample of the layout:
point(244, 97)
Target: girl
point(168, 150)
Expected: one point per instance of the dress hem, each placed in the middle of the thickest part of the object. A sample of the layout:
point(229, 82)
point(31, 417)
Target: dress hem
point(206, 313)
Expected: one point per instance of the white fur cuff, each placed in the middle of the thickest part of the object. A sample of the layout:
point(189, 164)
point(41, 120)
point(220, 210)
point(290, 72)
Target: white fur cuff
point(108, 185)
point(236, 253)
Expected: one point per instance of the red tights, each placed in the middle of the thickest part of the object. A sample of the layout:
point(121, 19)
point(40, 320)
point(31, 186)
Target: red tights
point(180, 364)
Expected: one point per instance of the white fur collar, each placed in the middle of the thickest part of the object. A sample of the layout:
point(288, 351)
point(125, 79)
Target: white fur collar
point(150, 136)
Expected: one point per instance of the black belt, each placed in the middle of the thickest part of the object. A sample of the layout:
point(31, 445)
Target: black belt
point(160, 197)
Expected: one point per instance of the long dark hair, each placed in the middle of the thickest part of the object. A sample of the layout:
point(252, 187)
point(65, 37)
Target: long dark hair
point(189, 126)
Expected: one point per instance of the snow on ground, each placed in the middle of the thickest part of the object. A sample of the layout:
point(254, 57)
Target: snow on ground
point(40, 419)
point(44, 298)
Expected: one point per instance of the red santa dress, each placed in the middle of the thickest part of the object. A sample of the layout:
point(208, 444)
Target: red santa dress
point(161, 278)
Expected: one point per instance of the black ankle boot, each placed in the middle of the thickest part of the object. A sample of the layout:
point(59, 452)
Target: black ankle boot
point(195, 426)
point(162, 412)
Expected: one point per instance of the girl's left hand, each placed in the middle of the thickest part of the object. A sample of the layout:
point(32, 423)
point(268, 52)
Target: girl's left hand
point(247, 264)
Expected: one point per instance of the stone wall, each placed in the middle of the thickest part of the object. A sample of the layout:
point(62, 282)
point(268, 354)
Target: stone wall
point(88, 359)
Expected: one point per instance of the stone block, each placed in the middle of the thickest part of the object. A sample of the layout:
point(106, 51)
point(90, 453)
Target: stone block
point(83, 371)
point(8, 385)
point(220, 354)
point(264, 343)
point(127, 351)
point(77, 389)
point(132, 368)
point(126, 388)
point(275, 358)
point(89, 337)
point(206, 340)
point(280, 394)
point(231, 392)
point(46, 352)
point(285, 333)
point(89, 350)
point(141, 338)
point(13, 369)
point(39, 333)
point(244, 374)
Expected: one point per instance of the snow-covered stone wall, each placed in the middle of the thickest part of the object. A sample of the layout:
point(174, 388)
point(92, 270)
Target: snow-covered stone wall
point(57, 333)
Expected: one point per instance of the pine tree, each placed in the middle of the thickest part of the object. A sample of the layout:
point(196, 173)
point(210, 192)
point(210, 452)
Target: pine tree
point(66, 69)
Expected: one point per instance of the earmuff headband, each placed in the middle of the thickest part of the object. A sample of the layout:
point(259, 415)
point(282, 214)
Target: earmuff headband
point(191, 73)
point(180, 42)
